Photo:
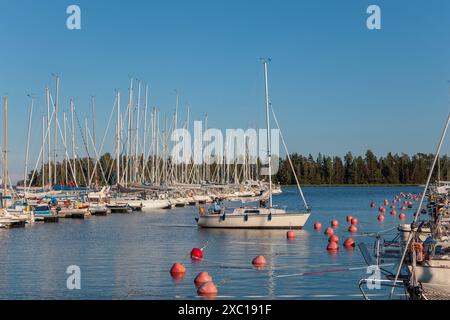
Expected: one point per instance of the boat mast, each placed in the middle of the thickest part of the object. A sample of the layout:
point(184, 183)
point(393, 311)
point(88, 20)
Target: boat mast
point(66, 159)
point(118, 141)
point(73, 141)
point(144, 156)
point(47, 91)
point(43, 153)
point(55, 143)
point(93, 137)
point(28, 144)
point(136, 148)
point(5, 150)
point(269, 155)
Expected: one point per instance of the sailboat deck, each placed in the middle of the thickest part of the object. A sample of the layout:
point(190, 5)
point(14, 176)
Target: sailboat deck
point(433, 293)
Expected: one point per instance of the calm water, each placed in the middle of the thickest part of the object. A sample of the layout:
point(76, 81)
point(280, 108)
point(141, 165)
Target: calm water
point(129, 256)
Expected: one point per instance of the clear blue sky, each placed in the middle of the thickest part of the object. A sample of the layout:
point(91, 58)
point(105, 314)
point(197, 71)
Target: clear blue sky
point(336, 85)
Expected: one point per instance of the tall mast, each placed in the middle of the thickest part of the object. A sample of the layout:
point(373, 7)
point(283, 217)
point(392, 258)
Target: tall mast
point(269, 154)
point(47, 92)
point(88, 157)
point(55, 143)
point(66, 159)
point(93, 136)
point(73, 141)
point(5, 162)
point(28, 144)
point(43, 152)
point(136, 149)
point(144, 157)
point(130, 110)
point(118, 140)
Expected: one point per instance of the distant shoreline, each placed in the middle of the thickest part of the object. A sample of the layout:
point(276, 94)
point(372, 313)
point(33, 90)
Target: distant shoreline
point(354, 185)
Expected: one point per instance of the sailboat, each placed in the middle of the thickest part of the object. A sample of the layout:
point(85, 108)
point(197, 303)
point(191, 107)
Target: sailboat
point(268, 217)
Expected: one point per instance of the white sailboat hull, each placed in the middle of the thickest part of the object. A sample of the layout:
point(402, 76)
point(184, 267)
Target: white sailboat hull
point(257, 221)
point(438, 274)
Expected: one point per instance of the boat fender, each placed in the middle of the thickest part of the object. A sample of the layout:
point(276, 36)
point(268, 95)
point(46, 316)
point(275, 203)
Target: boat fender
point(269, 217)
point(223, 217)
point(246, 217)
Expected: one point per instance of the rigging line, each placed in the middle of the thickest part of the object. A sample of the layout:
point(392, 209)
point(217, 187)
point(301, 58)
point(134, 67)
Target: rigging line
point(103, 141)
point(289, 158)
point(417, 214)
point(64, 142)
point(97, 162)
point(40, 153)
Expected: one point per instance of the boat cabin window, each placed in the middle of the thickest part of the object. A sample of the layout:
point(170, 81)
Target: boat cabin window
point(251, 211)
point(42, 208)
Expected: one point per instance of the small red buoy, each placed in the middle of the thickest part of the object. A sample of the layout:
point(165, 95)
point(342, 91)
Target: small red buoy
point(290, 235)
point(334, 223)
point(197, 254)
point(259, 261)
point(201, 278)
point(332, 246)
point(402, 216)
point(354, 221)
point(402, 208)
point(349, 243)
point(317, 226)
point(372, 204)
point(352, 229)
point(386, 202)
point(177, 269)
point(392, 207)
point(349, 218)
point(329, 231)
point(207, 289)
point(393, 213)
point(380, 217)
point(333, 238)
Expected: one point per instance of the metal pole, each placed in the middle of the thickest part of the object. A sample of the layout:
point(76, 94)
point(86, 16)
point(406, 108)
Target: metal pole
point(269, 155)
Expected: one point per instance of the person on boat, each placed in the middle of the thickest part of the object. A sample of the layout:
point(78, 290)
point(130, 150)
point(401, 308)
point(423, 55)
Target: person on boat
point(216, 206)
point(262, 203)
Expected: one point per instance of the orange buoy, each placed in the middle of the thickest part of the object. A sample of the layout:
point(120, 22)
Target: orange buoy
point(201, 278)
point(402, 216)
point(354, 221)
point(380, 217)
point(329, 231)
point(334, 223)
point(317, 226)
point(333, 238)
point(197, 254)
point(393, 213)
point(349, 243)
point(207, 289)
point(290, 235)
point(349, 218)
point(332, 246)
point(259, 261)
point(352, 229)
point(177, 269)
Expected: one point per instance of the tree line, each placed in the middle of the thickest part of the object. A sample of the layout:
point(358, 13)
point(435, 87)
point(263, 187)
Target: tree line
point(370, 169)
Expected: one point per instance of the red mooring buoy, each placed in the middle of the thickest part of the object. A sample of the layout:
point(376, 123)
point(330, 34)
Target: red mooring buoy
point(349, 218)
point(329, 231)
point(352, 229)
point(259, 261)
point(349, 243)
point(393, 213)
point(197, 254)
point(402, 216)
point(177, 269)
point(332, 246)
point(354, 221)
point(333, 238)
point(380, 217)
point(207, 289)
point(290, 235)
point(317, 226)
point(201, 278)
point(334, 223)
